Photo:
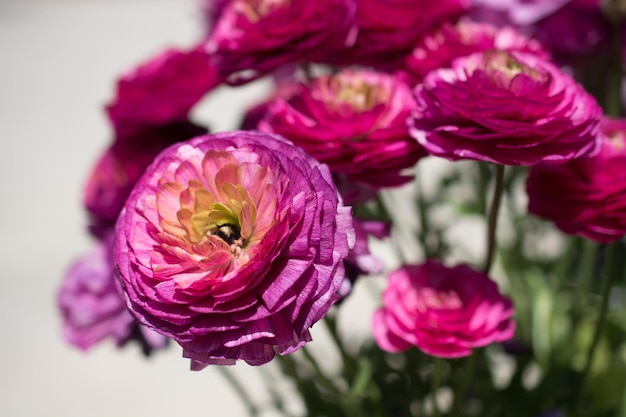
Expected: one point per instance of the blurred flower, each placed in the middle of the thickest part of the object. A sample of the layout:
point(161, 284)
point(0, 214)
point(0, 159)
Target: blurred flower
point(233, 245)
point(388, 29)
point(92, 308)
point(162, 90)
point(586, 196)
point(510, 108)
point(448, 42)
point(254, 37)
point(442, 311)
point(354, 121)
point(121, 165)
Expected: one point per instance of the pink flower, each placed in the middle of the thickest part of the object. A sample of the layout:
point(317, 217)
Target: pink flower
point(511, 108)
point(92, 308)
point(448, 42)
point(162, 90)
point(586, 196)
point(354, 121)
point(442, 311)
point(254, 37)
point(233, 245)
point(388, 29)
point(121, 165)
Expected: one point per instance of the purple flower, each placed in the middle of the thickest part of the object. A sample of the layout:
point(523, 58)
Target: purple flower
point(92, 307)
point(448, 42)
point(586, 196)
point(162, 90)
point(388, 29)
point(510, 108)
point(354, 121)
point(233, 245)
point(442, 311)
point(254, 37)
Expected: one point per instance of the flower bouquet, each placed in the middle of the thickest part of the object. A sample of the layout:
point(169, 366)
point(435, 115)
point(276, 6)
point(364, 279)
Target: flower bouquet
point(461, 162)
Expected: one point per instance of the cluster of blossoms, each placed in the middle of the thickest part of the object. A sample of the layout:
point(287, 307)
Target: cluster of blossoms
point(234, 244)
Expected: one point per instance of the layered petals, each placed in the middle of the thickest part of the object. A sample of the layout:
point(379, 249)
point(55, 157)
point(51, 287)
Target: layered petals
point(586, 196)
point(233, 245)
point(445, 312)
point(510, 108)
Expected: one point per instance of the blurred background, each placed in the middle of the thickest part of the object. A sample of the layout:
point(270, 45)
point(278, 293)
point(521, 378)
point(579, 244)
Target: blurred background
point(59, 61)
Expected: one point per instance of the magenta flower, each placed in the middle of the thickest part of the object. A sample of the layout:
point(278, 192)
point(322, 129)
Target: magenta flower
point(442, 311)
point(448, 42)
point(121, 165)
point(91, 307)
point(388, 29)
point(233, 245)
point(162, 90)
point(586, 196)
point(354, 121)
point(254, 37)
point(510, 108)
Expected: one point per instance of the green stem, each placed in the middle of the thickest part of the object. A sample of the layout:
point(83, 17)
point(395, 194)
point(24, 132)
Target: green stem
point(240, 390)
point(348, 363)
point(437, 377)
point(493, 217)
point(470, 367)
point(609, 276)
point(422, 207)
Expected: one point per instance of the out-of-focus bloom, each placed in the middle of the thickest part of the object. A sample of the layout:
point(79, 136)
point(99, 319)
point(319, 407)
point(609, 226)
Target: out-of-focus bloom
point(388, 29)
point(568, 28)
point(254, 37)
point(92, 308)
point(586, 196)
point(212, 10)
point(233, 245)
point(162, 90)
point(354, 121)
point(360, 261)
point(510, 108)
point(121, 165)
point(443, 311)
point(448, 42)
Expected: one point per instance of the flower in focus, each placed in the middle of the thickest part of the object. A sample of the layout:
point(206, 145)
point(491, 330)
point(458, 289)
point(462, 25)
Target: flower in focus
point(92, 308)
point(442, 311)
point(120, 166)
point(586, 196)
point(388, 29)
point(233, 245)
point(511, 108)
point(354, 121)
point(448, 42)
point(162, 90)
point(254, 37)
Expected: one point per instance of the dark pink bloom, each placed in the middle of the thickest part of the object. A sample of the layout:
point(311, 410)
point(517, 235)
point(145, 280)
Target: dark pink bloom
point(388, 29)
point(233, 245)
point(121, 165)
point(162, 90)
point(442, 311)
point(354, 121)
point(586, 196)
point(93, 309)
point(448, 42)
point(254, 37)
point(509, 108)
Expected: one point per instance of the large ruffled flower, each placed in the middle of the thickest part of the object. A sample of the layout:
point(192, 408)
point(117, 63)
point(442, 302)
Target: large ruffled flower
point(388, 29)
point(233, 245)
point(442, 46)
point(510, 108)
point(254, 37)
point(586, 196)
point(354, 121)
point(162, 90)
point(443, 311)
point(91, 307)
